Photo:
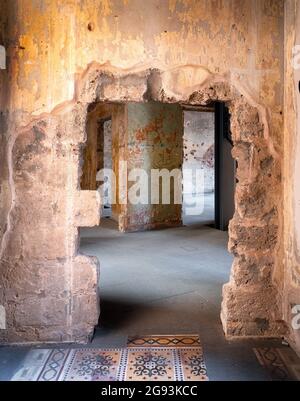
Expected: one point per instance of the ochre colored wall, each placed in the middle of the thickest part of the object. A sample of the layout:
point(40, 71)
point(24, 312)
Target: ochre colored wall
point(49, 41)
point(55, 39)
point(50, 45)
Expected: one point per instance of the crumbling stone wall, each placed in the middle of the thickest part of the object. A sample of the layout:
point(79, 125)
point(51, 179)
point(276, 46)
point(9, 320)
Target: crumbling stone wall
point(250, 307)
point(48, 290)
point(46, 287)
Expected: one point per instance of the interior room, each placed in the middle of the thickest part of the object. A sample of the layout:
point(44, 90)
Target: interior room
point(149, 190)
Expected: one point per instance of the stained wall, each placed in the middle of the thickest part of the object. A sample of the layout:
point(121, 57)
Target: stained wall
point(154, 142)
point(50, 45)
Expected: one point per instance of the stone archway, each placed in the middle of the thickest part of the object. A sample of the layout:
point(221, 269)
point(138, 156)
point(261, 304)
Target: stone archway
point(70, 306)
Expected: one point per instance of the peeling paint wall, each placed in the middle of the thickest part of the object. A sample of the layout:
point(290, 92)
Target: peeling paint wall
point(241, 37)
point(154, 141)
point(63, 56)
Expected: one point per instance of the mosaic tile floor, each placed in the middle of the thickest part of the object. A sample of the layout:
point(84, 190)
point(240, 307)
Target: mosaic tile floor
point(151, 358)
point(282, 364)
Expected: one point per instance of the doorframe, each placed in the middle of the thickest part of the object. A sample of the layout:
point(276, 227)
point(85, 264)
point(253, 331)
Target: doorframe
point(224, 180)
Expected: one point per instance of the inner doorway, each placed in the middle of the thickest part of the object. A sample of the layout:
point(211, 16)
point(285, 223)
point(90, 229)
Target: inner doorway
point(156, 280)
point(208, 149)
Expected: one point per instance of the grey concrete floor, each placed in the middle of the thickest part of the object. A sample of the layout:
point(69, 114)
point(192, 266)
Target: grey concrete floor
point(170, 282)
point(164, 282)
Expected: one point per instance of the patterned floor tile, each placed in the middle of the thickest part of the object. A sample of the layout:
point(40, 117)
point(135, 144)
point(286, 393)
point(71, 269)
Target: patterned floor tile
point(93, 365)
point(146, 364)
point(54, 365)
point(164, 341)
point(291, 361)
point(192, 364)
point(168, 364)
point(281, 364)
point(154, 362)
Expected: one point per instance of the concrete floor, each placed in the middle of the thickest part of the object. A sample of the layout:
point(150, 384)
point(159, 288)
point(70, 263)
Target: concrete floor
point(170, 282)
point(160, 282)
point(164, 282)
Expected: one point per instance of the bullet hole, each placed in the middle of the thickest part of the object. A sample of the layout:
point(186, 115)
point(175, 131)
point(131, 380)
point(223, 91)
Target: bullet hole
point(90, 26)
point(21, 47)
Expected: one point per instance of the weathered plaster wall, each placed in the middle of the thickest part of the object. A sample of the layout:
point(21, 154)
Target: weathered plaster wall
point(115, 33)
point(48, 290)
point(198, 141)
point(154, 141)
point(291, 290)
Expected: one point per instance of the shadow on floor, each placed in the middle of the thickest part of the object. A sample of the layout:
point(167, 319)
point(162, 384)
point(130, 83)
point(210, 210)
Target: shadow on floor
point(117, 314)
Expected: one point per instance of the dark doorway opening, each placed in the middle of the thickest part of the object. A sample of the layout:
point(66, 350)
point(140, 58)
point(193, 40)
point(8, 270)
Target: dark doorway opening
point(225, 168)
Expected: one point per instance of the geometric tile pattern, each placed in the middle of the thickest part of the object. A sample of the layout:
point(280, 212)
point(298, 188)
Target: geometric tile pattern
point(282, 364)
point(192, 364)
point(92, 365)
point(164, 341)
point(165, 364)
point(139, 363)
point(54, 365)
